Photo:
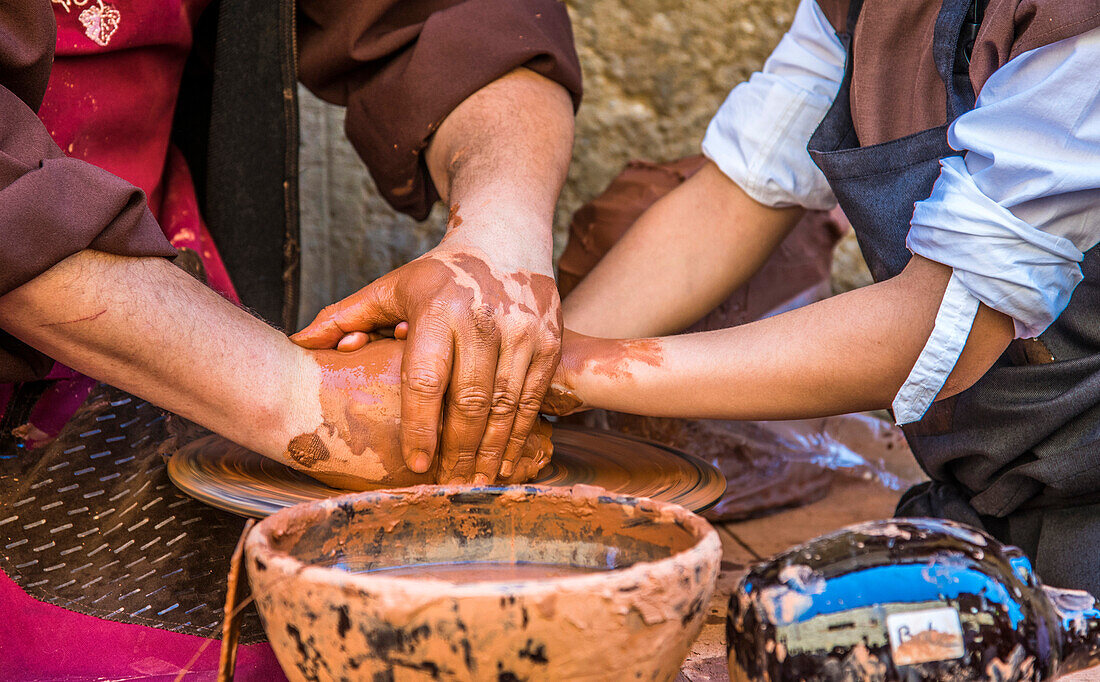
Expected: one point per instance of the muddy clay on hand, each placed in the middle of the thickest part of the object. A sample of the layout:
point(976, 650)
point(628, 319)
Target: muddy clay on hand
point(647, 574)
point(615, 359)
point(356, 447)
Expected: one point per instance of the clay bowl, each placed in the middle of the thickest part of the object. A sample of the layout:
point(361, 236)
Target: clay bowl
point(634, 621)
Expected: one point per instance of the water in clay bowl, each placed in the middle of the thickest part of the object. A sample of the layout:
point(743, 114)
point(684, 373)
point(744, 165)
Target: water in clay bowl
point(513, 583)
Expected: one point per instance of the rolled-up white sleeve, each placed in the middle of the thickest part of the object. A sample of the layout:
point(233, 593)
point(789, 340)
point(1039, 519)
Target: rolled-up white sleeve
point(1014, 216)
point(759, 135)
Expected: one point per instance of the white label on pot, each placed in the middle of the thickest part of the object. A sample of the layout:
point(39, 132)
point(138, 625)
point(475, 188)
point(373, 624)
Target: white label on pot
point(923, 636)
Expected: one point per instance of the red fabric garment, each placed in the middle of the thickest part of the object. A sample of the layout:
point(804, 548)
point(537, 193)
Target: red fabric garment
point(110, 102)
point(40, 641)
point(111, 98)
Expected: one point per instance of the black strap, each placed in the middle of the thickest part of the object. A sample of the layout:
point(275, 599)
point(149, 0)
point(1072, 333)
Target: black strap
point(971, 25)
point(968, 35)
point(854, 8)
point(948, 50)
point(252, 162)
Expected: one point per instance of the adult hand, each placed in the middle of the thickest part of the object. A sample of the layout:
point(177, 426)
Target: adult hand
point(483, 332)
point(483, 315)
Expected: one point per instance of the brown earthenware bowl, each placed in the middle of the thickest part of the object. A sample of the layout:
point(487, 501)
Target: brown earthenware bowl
point(634, 621)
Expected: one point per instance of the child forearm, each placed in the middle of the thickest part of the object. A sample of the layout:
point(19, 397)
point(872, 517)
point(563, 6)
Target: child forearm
point(681, 258)
point(848, 353)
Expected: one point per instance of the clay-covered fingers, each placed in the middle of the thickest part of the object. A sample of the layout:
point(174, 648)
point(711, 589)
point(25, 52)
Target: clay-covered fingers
point(353, 342)
point(371, 307)
point(356, 340)
point(534, 455)
point(470, 395)
point(425, 376)
point(535, 386)
point(515, 359)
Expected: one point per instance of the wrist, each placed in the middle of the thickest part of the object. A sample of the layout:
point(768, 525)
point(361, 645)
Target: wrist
point(603, 373)
point(511, 238)
point(294, 408)
point(572, 387)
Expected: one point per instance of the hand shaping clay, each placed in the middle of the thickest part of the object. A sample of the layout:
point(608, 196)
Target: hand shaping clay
point(357, 445)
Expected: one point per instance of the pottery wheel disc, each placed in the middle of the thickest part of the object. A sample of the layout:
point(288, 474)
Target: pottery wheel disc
point(243, 482)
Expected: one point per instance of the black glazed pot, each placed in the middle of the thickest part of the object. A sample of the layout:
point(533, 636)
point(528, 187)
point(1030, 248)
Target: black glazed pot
point(906, 599)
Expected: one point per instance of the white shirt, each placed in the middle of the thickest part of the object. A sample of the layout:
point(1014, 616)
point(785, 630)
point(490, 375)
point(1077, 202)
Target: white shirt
point(1012, 217)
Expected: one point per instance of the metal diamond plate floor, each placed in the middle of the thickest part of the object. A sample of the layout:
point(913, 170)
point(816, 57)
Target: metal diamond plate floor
point(91, 522)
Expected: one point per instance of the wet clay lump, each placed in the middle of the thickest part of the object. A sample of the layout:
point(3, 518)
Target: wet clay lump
point(356, 447)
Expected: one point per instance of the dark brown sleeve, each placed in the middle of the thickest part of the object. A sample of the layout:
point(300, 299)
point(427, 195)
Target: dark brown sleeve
point(1012, 27)
point(27, 38)
point(401, 66)
point(51, 206)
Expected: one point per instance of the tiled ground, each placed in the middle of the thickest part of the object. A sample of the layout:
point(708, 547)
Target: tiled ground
point(849, 502)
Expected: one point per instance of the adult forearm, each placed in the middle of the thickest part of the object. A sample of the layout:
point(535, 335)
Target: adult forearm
point(847, 353)
point(681, 258)
point(499, 159)
point(146, 326)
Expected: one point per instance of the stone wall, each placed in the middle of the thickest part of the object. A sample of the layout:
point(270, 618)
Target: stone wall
point(655, 71)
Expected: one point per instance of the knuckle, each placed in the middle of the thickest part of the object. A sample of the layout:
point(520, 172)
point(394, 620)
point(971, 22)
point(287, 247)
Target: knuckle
point(504, 405)
point(515, 445)
point(514, 340)
point(488, 460)
point(484, 319)
point(550, 343)
point(529, 405)
point(444, 308)
point(424, 381)
point(462, 459)
point(472, 400)
point(418, 431)
point(433, 331)
point(459, 463)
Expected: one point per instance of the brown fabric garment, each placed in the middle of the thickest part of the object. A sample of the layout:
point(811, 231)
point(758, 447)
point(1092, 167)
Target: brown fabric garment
point(1013, 27)
point(836, 11)
point(51, 206)
point(401, 67)
point(894, 38)
point(27, 38)
point(896, 90)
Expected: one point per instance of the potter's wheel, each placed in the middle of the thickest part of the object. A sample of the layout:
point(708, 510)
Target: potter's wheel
point(246, 483)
